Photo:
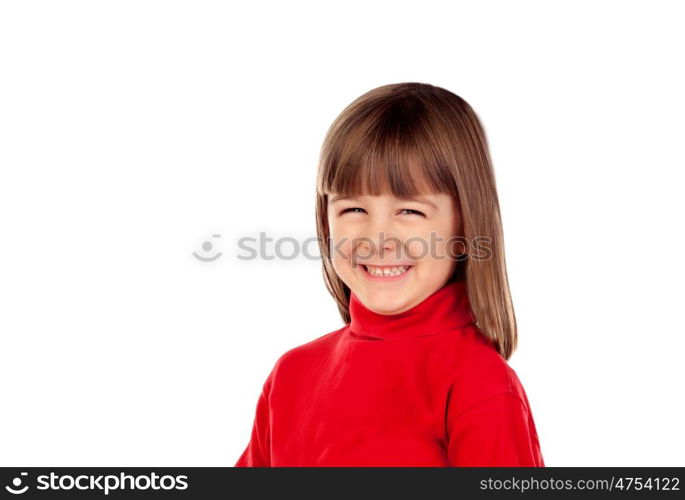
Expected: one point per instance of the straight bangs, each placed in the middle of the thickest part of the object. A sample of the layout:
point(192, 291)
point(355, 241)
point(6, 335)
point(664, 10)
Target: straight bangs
point(388, 148)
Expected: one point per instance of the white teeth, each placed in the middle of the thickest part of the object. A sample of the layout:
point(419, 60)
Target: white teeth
point(387, 271)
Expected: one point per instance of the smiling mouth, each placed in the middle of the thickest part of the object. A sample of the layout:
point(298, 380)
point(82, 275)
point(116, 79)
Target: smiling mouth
point(385, 271)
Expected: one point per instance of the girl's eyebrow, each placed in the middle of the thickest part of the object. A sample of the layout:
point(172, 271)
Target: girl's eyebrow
point(338, 197)
point(418, 199)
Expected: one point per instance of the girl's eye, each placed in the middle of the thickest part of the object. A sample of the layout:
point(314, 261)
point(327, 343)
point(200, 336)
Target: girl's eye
point(350, 209)
point(414, 211)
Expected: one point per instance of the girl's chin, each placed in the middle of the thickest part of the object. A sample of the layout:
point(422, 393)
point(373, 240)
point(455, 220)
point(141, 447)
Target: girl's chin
point(386, 303)
point(388, 296)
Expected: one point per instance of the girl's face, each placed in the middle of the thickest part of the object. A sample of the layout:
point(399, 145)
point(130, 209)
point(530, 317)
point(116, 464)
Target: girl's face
point(409, 246)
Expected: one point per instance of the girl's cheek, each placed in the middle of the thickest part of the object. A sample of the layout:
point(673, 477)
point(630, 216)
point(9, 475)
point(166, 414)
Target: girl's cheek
point(442, 247)
point(417, 248)
point(341, 248)
point(429, 246)
point(426, 244)
point(345, 236)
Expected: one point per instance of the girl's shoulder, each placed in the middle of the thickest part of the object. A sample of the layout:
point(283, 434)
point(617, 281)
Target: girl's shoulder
point(480, 372)
point(299, 360)
point(313, 347)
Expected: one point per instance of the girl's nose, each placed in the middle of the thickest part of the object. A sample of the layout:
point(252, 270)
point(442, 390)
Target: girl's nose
point(378, 238)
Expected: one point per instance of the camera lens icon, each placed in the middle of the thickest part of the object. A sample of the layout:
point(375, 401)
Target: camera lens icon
point(16, 489)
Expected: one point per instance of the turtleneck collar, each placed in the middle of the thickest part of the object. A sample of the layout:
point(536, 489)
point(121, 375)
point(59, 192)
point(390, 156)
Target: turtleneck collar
point(446, 309)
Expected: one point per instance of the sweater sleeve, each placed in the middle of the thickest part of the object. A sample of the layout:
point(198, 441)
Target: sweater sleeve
point(257, 452)
point(496, 432)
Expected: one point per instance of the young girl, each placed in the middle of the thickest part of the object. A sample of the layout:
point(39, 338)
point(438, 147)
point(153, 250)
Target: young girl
point(409, 229)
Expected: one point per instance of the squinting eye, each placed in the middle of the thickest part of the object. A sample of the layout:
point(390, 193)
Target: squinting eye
point(411, 210)
point(348, 209)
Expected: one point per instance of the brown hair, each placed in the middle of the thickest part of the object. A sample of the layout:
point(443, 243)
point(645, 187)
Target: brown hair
point(395, 136)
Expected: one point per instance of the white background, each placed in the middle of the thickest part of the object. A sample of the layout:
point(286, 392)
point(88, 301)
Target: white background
point(133, 131)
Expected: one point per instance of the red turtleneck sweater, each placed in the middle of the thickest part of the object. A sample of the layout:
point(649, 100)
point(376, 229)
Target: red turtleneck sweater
point(418, 388)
